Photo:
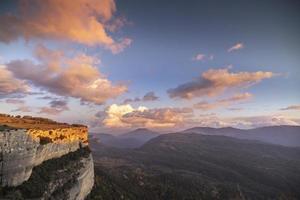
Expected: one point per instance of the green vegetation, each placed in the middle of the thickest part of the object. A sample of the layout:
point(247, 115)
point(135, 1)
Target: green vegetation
point(193, 166)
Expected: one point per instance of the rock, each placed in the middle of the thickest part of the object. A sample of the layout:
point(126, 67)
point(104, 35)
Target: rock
point(85, 181)
point(21, 150)
point(41, 151)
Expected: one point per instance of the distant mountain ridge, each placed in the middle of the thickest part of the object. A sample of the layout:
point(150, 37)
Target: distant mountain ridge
point(180, 165)
point(280, 135)
point(140, 134)
point(132, 139)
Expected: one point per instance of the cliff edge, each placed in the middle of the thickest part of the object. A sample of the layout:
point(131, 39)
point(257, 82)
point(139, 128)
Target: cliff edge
point(39, 153)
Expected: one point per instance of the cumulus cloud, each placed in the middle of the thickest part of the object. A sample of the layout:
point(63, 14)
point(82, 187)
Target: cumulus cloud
point(204, 105)
point(203, 57)
point(236, 47)
point(56, 107)
point(83, 21)
point(215, 81)
point(150, 96)
point(9, 85)
point(292, 107)
point(125, 116)
point(76, 77)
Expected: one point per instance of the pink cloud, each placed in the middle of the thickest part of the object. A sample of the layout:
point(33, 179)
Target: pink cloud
point(215, 81)
point(125, 116)
point(76, 77)
point(203, 105)
point(9, 84)
point(82, 21)
point(236, 47)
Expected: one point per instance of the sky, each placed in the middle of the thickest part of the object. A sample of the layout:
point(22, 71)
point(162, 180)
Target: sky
point(117, 65)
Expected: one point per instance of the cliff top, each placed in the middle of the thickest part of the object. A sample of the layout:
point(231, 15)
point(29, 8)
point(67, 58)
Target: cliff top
point(29, 122)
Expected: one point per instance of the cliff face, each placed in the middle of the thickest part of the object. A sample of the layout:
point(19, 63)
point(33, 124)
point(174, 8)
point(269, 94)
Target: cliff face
point(28, 144)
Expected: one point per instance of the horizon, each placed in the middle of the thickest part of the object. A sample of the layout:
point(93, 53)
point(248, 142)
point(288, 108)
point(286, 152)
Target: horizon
point(117, 66)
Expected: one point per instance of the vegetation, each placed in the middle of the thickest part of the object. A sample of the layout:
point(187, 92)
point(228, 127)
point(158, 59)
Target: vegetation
point(193, 166)
point(32, 122)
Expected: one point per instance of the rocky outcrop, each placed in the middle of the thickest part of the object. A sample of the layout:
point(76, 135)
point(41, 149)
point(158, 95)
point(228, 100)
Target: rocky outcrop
point(24, 150)
point(84, 181)
point(70, 177)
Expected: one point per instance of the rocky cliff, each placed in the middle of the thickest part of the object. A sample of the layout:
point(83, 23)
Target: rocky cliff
point(29, 147)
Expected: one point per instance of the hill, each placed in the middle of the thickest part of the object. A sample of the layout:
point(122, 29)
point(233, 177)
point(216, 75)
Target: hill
point(132, 139)
point(282, 135)
point(194, 166)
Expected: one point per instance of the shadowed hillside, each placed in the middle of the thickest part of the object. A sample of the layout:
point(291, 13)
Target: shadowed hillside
point(193, 166)
point(132, 139)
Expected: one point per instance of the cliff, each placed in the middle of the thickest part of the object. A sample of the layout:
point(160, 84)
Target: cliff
point(29, 145)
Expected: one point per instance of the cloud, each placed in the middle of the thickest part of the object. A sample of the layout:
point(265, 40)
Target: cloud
point(100, 115)
point(125, 116)
point(83, 21)
point(118, 47)
point(59, 104)
point(48, 97)
point(130, 100)
point(235, 109)
point(292, 107)
point(215, 81)
point(56, 107)
point(213, 120)
point(117, 23)
point(204, 105)
point(208, 120)
point(203, 57)
point(236, 47)
point(23, 108)
point(150, 96)
point(9, 85)
point(14, 101)
point(75, 77)
point(237, 97)
point(261, 121)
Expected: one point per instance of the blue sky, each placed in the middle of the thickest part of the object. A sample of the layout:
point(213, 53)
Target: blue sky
point(165, 38)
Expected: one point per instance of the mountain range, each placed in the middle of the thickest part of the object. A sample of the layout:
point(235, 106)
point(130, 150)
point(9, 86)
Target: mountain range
point(281, 135)
point(132, 139)
point(198, 166)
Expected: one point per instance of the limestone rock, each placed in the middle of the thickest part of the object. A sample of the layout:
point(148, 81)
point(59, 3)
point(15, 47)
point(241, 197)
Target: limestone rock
point(29, 145)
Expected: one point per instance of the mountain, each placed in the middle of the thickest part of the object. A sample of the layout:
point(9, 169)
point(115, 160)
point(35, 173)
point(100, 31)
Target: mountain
point(132, 139)
point(195, 166)
point(141, 134)
point(43, 159)
point(282, 135)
